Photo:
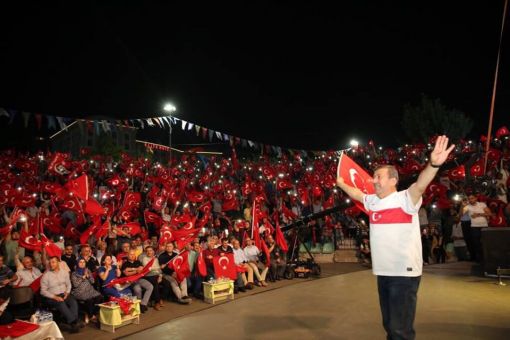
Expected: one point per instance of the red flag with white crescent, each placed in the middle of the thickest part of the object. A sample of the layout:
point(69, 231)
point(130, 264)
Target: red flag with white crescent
point(79, 187)
point(180, 265)
point(202, 269)
point(132, 278)
point(224, 266)
point(355, 176)
point(51, 248)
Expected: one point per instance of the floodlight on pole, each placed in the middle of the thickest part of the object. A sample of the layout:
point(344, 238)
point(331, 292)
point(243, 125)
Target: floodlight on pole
point(170, 108)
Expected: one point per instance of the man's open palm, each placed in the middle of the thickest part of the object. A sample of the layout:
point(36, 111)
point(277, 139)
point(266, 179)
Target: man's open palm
point(440, 152)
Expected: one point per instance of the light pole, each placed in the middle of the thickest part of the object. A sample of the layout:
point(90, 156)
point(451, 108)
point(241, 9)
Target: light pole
point(170, 108)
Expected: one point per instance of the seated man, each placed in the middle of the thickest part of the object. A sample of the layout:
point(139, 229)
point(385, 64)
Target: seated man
point(195, 280)
point(242, 261)
point(7, 276)
point(224, 248)
point(252, 255)
point(91, 261)
point(131, 267)
point(180, 289)
point(68, 256)
point(56, 289)
point(209, 254)
point(277, 258)
point(123, 254)
point(27, 274)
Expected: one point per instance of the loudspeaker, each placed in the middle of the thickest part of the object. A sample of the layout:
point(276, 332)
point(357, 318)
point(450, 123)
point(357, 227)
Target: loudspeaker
point(496, 249)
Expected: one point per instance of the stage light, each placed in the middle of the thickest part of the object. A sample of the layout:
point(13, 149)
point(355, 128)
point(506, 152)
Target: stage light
point(456, 197)
point(281, 175)
point(354, 143)
point(95, 195)
point(434, 206)
point(347, 200)
point(22, 218)
point(169, 107)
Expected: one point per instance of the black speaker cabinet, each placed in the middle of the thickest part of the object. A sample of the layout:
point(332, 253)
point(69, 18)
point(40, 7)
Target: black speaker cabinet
point(496, 249)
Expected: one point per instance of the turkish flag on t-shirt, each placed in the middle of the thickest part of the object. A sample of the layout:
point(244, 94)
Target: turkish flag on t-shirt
point(355, 176)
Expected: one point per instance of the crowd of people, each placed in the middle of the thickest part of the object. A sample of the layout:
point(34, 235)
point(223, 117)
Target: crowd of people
point(73, 227)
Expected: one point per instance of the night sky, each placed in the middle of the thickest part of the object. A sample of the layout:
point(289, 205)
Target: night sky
point(296, 75)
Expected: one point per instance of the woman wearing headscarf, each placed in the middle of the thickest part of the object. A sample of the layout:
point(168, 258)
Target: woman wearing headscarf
point(82, 281)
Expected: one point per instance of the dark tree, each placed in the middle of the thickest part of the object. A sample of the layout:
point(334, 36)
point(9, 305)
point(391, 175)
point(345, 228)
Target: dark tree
point(431, 118)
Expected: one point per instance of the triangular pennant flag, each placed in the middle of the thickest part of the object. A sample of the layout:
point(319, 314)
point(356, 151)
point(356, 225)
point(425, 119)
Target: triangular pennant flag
point(13, 114)
point(225, 137)
point(204, 133)
point(183, 125)
point(149, 122)
point(26, 116)
point(167, 121)
point(190, 126)
point(52, 124)
point(243, 143)
point(3, 112)
point(105, 126)
point(38, 120)
point(250, 143)
point(96, 127)
point(218, 134)
point(141, 123)
point(197, 129)
point(61, 123)
point(231, 139)
point(211, 133)
point(158, 122)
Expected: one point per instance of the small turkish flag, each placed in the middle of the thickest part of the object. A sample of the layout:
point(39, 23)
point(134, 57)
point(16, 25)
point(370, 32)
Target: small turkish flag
point(180, 264)
point(79, 187)
point(51, 248)
point(355, 176)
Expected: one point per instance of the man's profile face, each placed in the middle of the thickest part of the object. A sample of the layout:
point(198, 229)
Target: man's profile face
point(382, 182)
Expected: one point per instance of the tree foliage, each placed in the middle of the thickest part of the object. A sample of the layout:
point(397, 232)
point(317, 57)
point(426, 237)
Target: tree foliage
point(431, 117)
point(107, 147)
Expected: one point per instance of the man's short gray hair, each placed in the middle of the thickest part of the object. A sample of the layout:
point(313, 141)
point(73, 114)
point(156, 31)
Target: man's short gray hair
point(392, 170)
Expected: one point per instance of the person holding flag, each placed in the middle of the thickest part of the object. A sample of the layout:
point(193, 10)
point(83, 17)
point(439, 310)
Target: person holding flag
point(133, 267)
point(395, 235)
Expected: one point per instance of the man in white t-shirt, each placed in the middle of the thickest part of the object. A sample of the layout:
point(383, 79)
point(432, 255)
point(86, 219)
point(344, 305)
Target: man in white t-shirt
point(479, 214)
point(396, 240)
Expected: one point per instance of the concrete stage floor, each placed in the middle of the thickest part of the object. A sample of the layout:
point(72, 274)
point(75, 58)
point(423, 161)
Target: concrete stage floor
point(452, 304)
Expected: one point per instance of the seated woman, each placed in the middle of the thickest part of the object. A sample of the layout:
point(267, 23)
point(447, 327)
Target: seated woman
point(107, 272)
point(82, 281)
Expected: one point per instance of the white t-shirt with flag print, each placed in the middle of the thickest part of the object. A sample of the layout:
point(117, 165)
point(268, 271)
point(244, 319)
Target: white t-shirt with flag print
point(395, 236)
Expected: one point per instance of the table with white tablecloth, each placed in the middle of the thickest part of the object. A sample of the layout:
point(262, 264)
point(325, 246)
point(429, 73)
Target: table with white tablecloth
point(47, 330)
